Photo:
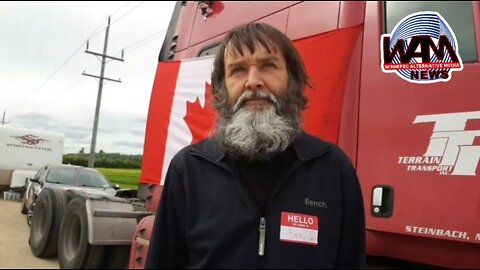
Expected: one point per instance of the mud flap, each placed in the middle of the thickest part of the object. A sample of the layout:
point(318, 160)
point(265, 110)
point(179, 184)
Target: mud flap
point(110, 229)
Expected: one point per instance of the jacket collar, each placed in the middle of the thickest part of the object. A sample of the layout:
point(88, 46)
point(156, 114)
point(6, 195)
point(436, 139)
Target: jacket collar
point(306, 147)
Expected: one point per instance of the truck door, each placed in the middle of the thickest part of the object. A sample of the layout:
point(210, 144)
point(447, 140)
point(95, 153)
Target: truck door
point(419, 145)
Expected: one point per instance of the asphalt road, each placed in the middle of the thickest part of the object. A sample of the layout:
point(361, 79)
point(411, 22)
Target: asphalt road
point(14, 232)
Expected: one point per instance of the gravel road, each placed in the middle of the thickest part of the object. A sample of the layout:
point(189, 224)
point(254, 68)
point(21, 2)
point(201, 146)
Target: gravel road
point(14, 232)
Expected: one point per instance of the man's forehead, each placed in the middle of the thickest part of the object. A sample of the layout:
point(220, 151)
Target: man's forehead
point(233, 53)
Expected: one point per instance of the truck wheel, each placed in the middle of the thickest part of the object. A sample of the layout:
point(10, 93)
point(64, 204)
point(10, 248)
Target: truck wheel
point(49, 208)
point(74, 251)
point(116, 257)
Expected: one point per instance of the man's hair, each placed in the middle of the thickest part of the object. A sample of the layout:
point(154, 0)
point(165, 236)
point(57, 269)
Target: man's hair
point(252, 35)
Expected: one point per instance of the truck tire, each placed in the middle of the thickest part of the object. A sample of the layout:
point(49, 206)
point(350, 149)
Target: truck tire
point(74, 251)
point(49, 209)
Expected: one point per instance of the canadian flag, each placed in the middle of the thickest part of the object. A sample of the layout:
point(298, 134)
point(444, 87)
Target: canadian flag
point(180, 113)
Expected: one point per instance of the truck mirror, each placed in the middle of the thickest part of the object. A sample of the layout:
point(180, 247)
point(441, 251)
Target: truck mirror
point(35, 180)
point(116, 186)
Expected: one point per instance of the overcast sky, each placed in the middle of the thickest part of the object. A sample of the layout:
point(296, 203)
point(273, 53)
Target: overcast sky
point(42, 56)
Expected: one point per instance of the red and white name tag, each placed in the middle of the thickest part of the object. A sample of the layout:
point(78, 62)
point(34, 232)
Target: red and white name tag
point(299, 228)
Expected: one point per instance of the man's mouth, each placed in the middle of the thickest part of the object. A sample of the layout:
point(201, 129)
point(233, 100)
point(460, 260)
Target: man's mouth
point(254, 100)
point(257, 102)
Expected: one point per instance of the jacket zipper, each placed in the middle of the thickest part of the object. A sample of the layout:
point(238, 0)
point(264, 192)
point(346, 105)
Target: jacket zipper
point(262, 229)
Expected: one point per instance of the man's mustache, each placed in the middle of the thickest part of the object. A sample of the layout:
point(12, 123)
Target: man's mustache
point(251, 95)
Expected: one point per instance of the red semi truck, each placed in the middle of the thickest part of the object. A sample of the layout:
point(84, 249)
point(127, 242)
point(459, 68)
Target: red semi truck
point(394, 88)
point(415, 145)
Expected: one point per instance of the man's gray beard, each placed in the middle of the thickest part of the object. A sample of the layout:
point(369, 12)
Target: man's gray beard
point(257, 133)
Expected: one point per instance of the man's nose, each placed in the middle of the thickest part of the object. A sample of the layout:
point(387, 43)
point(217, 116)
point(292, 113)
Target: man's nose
point(254, 79)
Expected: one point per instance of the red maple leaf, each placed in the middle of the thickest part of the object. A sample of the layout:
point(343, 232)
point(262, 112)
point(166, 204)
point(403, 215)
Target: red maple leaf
point(200, 120)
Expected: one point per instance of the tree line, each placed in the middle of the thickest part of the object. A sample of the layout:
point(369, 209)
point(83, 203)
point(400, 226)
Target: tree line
point(105, 160)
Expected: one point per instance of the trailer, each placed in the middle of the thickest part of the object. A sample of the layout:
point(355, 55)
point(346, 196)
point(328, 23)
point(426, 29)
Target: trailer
point(23, 151)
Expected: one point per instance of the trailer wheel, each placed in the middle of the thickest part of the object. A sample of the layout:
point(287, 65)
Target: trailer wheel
point(49, 208)
point(74, 251)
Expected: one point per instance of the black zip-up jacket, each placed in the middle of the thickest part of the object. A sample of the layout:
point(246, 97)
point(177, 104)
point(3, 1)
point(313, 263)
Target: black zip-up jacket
point(206, 219)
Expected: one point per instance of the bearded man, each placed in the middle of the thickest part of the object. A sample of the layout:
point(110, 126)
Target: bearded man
point(260, 193)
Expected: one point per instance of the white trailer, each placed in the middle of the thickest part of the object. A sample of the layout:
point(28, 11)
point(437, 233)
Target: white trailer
point(27, 150)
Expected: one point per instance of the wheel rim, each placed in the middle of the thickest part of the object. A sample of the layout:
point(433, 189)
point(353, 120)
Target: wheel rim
point(30, 216)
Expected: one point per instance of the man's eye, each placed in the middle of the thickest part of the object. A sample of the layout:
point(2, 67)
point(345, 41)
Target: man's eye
point(237, 70)
point(269, 65)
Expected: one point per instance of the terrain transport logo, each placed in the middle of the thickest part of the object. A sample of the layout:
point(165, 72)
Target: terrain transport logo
point(451, 150)
point(422, 48)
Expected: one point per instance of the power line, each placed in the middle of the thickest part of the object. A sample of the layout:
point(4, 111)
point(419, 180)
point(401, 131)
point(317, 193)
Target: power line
point(94, 33)
point(62, 65)
point(141, 72)
point(145, 40)
point(130, 47)
point(97, 31)
point(76, 83)
point(76, 50)
point(120, 8)
point(128, 12)
point(59, 68)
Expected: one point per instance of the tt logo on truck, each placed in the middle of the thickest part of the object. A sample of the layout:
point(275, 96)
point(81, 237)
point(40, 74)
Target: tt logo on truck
point(451, 150)
point(30, 139)
point(422, 48)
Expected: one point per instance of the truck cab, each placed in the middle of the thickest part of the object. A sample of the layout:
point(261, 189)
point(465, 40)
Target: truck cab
point(415, 146)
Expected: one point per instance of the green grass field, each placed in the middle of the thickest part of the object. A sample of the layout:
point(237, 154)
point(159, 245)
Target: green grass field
point(126, 178)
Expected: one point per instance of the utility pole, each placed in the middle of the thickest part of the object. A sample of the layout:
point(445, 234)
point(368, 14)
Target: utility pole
point(91, 159)
point(3, 119)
